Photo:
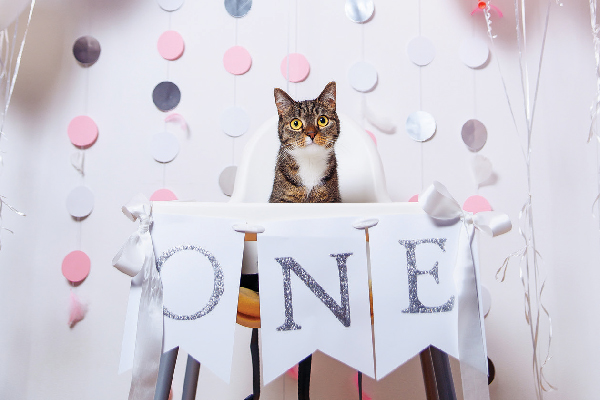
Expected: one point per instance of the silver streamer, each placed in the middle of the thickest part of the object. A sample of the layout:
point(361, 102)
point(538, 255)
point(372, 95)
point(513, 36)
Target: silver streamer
point(218, 288)
point(341, 312)
point(415, 305)
point(9, 69)
point(531, 271)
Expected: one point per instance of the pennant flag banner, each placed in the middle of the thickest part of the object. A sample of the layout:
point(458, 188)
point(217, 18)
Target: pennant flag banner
point(315, 266)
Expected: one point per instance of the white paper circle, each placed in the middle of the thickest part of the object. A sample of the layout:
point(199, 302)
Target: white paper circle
point(474, 52)
point(164, 147)
point(235, 121)
point(420, 126)
point(362, 76)
point(474, 134)
point(227, 180)
point(80, 202)
point(486, 300)
point(420, 51)
point(359, 10)
point(170, 5)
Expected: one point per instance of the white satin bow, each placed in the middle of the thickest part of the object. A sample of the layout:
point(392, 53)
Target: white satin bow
point(137, 256)
point(440, 205)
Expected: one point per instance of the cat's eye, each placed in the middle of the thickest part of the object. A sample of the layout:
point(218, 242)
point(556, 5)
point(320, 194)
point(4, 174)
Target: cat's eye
point(296, 124)
point(322, 121)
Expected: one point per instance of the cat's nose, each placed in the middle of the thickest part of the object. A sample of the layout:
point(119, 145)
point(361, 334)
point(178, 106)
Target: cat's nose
point(311, 132)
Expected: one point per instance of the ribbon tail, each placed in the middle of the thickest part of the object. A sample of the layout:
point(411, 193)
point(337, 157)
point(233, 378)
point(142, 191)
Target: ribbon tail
point(149, 335)
point(471, 336)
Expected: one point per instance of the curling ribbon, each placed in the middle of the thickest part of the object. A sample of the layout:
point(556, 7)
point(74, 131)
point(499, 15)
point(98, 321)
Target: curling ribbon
point(440, 205)
point(137, 256)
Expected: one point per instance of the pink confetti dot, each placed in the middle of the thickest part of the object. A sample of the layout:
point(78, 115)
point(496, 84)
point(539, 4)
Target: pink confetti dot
point(414, 199)
point(298, 67)
point(76, 266)
point(170, 45)
point(476, 204)
point(163, 195)
point(372, 136)
point(237, 60)
point(82, 131)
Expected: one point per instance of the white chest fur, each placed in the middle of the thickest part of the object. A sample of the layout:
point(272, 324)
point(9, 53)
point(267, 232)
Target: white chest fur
point(312, 163)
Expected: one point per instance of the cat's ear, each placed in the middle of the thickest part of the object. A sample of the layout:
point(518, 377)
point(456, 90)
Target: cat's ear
point(327, 97)
point(283, 101)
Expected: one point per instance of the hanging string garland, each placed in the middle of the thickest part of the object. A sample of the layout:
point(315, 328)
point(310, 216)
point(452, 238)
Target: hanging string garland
point(235, 121)
point(82, 132)
point(533, 276)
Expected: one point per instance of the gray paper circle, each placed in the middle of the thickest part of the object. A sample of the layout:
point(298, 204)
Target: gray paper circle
point(238, 8)
point(227, 180)
point(474, 134)
point(166, 96)
point(420, 126)
point(86, 50)
point(170, 5)
point(359, 10)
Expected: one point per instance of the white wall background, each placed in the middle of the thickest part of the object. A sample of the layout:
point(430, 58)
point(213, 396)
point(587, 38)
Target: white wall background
point(42, 358)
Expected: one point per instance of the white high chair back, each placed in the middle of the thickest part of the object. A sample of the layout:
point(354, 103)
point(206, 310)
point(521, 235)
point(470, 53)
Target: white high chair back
point(360, 171)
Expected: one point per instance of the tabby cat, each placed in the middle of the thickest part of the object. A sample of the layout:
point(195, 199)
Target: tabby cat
point(306, 168)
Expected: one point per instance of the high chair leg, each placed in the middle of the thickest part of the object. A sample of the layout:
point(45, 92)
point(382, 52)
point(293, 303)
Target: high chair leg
point(304, 368)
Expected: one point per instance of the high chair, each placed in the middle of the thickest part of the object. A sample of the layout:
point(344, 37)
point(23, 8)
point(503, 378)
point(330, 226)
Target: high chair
point(361, 180)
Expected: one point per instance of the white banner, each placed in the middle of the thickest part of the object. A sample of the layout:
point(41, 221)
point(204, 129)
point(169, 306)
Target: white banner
point(314, 294)
point(200, 261)
point(414, 296)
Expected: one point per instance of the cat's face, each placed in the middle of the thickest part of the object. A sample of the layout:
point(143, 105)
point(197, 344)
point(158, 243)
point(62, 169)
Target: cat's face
point(308, 123)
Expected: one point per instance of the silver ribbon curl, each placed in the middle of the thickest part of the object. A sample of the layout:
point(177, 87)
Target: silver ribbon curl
point(440, 205)
point(137, 257)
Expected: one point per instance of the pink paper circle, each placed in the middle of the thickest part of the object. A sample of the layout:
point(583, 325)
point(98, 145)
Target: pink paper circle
point(82, 131)
point(372, 136)
point(76, 266)
point(298, 67)
point(237, 60)
point(414, 199)
point(170, 45)
point(476, 204)
point(163, 195)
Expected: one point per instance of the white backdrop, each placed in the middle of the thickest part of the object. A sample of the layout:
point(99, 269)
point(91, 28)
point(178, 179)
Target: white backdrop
point(45, 359)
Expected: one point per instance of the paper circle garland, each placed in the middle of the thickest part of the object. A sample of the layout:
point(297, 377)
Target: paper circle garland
point(420, 51)
point(476, 204)
point(372, 136)
point(170, 5)
point(235, 121)
point(238, 8)
point(474, 134)
point(474, 52)
point(164, 147)
point(76, 266)
point(486, 300)
point(298, 67)
point(420, 126)
point(170, 45)
point(82, 131)
point(414, 199)
point(362, 76)
point(80, 202)
point(86, 50)
point(163, 195)
point(359, 10)
point(237, 60)
point(227, 180)
point(166, 96)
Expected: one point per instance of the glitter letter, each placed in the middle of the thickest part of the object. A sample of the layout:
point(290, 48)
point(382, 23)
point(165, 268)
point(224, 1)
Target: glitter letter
point(342, 313)
point(218, 287)
point(415, 305)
